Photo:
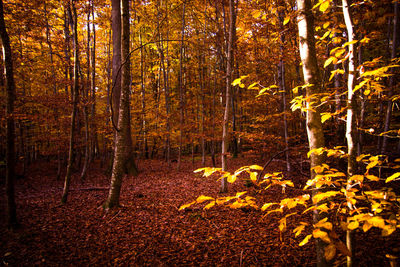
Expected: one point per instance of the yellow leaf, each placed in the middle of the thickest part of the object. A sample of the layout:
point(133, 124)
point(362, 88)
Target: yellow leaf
point(253, 176)
point(298, 230)
point(330, 252)
point(329, 61)
point(326, 34)
point(324, 6)
point(366, 226)
point(324, 224)
point(266, 206)
point(239, 194)
point(321, 196)
point(318, 233)
point(392, 177)
point(209, 205)
point(231, 178)
point(252, 85)
point(286, 21)
point(305, 240)
point(326, 25)
point(256, 167)
point(357, 178)
point(372, 164)
point(372, 177)
point(203, 198)
point(367, 92)
point(186, 205)
point(237, 81)
point(325, 117)
point(377, 221)
point(236, 205)
point(353, 225)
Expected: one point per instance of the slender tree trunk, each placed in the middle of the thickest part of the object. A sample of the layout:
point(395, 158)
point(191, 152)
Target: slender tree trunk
point(93, 87)
point(75, 99)
point(181, 94)
point(282, 88)
point(144, 126)
point(225, 125)
point(86, 98)
point(48, 40)
point(392, 81)
point(350, 122)
point(313, 118)
point(122, 146)
point(10, 129)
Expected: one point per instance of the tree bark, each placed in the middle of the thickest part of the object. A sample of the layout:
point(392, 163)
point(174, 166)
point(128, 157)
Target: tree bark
point(75, 98)
point(313, 117)
point(10, 129)
point(350, 121)
point(392, 81)
point(181, 90)
point(225, 125)
point(122, 151)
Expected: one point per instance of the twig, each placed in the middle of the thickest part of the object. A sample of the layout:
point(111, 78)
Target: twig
point(268, 162)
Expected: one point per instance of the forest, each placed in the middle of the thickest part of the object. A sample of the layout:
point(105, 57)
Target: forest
point(200, 133)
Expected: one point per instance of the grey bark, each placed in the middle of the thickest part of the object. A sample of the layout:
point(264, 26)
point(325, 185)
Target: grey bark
point(313, 117)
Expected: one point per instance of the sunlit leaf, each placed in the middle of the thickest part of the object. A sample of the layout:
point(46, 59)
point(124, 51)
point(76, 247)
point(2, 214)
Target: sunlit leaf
point(266, 206)
point(209, 205)
point(388, 230)
point(329, 61)
point(392, 177)
point(324, 5)
point(318, 233)
point(324, 224)
point(353, 225)
point(305, 240)
point(203, 198)
point(256, 167)
point(231, 178)
point(298, 230)
point(186, 205)
point(286, 21)
point(321, 196)
point(325, 117)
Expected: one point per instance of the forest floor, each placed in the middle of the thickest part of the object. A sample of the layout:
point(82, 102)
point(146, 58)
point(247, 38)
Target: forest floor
point(148, 230)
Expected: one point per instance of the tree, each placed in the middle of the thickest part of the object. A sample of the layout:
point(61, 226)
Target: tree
point(313, 82)
point(228, 88)
point(122, 145)
point(73, 19)
point(10, 130)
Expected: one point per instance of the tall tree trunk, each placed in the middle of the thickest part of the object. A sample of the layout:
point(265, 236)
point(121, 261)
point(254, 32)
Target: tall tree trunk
point(10, 129)
point(392, 81)
point(48, 40)
point(75, 98)
point(350, 121)
point(313, 118)
point(181, 93)
point(116, 60)
point(94, 141)
point(86, 98)
point(122, 146)
point(225, 124)
point(282, 88)
point(144, 126)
